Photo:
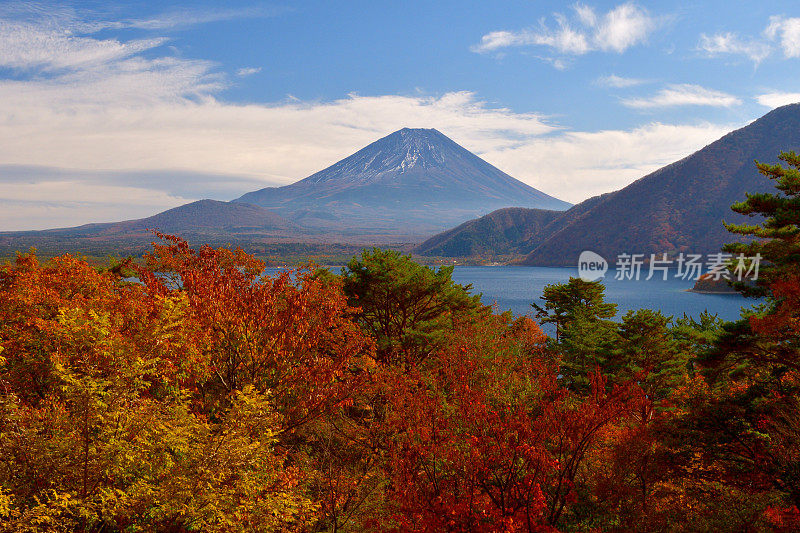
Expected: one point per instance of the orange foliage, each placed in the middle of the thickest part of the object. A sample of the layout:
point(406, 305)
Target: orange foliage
point(291, 335)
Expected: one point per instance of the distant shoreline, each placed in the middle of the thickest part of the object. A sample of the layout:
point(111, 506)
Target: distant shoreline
point(722, 293)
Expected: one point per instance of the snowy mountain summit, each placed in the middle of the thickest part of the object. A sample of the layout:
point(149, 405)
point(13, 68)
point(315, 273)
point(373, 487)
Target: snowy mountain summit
point(397, 153)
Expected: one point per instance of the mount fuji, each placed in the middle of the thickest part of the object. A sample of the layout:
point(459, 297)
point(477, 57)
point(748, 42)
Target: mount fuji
point(411, 181)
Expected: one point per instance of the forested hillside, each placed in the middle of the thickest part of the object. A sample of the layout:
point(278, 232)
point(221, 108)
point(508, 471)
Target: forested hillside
point(513, 230)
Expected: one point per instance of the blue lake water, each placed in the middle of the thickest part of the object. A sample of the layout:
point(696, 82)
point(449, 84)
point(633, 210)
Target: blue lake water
point(514, 288)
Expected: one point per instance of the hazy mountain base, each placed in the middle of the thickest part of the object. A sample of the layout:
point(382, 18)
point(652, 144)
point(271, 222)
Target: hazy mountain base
point(98, 251)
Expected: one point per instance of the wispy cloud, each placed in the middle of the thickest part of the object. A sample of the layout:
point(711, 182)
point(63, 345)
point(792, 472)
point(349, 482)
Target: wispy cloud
point(248, 71)
point(730, 43)
point(27, 46)
point(192, 17)
point(787, 32)
point(618, 82)
point(777, 99)
point(564, 39)
point(623, 27)
point(682, 95)
point(88, 21)
point(780, 30)
point(617, 30)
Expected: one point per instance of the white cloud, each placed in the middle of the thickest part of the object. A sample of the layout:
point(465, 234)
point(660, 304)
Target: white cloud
point(617, 30)
point(249, 71)
point(66, 16)
point(27, 46)
point(783, 30)
point(565, 39)
point(685, 94)
point(45, 38)
point(192, 17)
point(618, 82)
point(777, 99)
point(586, 14)
point(787, 32)
point(624, 26)
point(501, 39)
point(575, 165)
point(730, 43)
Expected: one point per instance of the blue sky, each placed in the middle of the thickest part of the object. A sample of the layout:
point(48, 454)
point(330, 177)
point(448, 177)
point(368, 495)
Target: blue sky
point(113, 111)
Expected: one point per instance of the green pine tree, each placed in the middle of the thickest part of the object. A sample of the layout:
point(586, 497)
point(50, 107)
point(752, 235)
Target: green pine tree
point(405, 306)
point(777, 238)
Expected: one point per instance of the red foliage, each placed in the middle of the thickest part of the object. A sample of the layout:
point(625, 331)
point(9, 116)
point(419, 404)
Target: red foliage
point(33, 298)
point(291, 334)
point(783, 519)
point(784, 322)
point(490, 442)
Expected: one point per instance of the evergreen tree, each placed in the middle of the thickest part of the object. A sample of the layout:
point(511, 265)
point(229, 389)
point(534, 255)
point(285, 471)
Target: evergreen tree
point(778, 236)
point(566, 302)
point(405, 306)
point(585, 337)
point(649, 353)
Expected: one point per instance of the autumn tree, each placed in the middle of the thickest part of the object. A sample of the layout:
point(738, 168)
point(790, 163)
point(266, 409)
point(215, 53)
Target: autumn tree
point(291, 335)
point(486, 439)
point(110, 438)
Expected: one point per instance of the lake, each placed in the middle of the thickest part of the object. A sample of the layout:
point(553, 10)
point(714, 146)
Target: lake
point(514, 288)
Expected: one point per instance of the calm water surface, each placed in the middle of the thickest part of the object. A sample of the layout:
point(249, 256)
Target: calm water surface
point(515, 287)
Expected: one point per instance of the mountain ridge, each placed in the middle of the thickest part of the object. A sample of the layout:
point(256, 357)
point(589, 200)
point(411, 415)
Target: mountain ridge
point(510, 230)
point(678, 208)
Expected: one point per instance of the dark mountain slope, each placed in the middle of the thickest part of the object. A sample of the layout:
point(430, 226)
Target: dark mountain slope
point(207, 216)
point(509, 231)
point(680, 207)
point(513, 230)
point(413, 179)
